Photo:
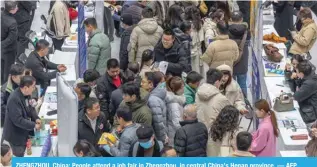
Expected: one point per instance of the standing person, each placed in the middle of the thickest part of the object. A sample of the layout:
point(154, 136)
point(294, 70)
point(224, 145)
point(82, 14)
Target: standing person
point(136, 100)
point(156, 102)
point(210, 26)
point(283, 16)
point(126, 24)
point(191, 139)
point(223, 133)
point(20, 119)
point(145, 35)
point(238, 31)
point(6, 155)
point(127, 132)
point(83, 91)
point(9, 35)
point(243, 141)
point(223, 50)
point(306, 95)
point(146, 62)
point(244, 8)
point(174, 17)
point(91, 122)
point(265, 138)
point(175, 101)
point(193, 80)
point(107, 83)
point(209, 99)
point(41, 66)
point(24, 17)
point(171, 50)
point(147, 145)
point(58, 23)
point(90, 77)
point(85, 149)
point(306, 37)
point(99, 48)
point(159, 9)
point(107, 19)
point(15, 75)
point(192, 14)
point(231, 89)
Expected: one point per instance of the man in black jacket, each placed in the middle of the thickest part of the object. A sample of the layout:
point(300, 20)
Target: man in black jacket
point(126, 23)
point(91, 122)
point(107, 83)
point(306, 95)
point(21, 117)
point(40, 65)
point(9, 35)
point(171, 50)
point(16, 73)
point(191, 139)
point(24, 17)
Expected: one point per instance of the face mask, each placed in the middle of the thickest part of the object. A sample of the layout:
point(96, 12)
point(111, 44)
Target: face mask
point(146, 145)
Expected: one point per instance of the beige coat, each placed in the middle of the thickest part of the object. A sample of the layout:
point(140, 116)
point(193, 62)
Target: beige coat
point(221, 51)
point(222, 148)
point(233, 91)
point(210, 31)
point(144, 36)
point(305, 39)
point(59, 16)
point(209, 103)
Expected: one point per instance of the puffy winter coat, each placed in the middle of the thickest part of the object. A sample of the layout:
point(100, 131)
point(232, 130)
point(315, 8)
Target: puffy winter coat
point(124, 53)
point(99, 51)
point(144, 36)
point(58, 21)
point(174, 105)
point(210, 31)
point(191, 139)
point(210, 102)
point(158, 107)
point(221, 51)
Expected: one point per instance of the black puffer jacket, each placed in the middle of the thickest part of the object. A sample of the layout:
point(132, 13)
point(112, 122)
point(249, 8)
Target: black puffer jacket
point(191, 139)
point(9, 34)
point(6, 90)
point(24, 12)
point(124, 53)
point(236, 32)
point(186, 41)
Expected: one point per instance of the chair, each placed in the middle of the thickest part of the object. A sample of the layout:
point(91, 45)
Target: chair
point(250, 116)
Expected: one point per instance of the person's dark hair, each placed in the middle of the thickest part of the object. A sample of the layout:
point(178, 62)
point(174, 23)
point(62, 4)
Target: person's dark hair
point(124, 113)
point(91, 75)
point(213, 75)
point(174, 84)
point(192, 13)
point(147, 55)
point(27, 72)
point(112, 63)
point(130, 89)
point(298, 58)
point(224, 6)
point(305, 13)
point(27, 81)
point(174, 16)
point(41, 44)
point(4, 149)
point(87, 148)
point(264, 105)
point(16, 69)
point(169, 31)
point(89, 103)
point(226, 122)
point(244, 141)
point(153, 78)
point(193, 77)
point(185, 26)
point(147, 12)
point(10, 5)
point(305, 68)
point(228, 82)
point(223, 27)
point(217, 14)
point(91, 21)
point(84, 88)
point(134, 67)
point(236, 16)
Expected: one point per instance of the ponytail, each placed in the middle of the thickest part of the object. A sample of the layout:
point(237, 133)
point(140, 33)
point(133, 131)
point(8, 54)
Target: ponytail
point(274, 123)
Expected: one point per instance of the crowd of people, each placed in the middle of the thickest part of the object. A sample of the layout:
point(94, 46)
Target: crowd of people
point(190, 109)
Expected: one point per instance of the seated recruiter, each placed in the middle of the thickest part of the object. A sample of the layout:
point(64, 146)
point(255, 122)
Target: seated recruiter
point(40, 66)
point(20, 119)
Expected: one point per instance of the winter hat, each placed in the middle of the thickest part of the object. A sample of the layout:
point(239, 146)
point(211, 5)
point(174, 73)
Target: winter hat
point(127, 19)
point(144, 132)
point(224, 67)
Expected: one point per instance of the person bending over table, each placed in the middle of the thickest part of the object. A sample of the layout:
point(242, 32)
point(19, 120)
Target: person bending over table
point(40, 66)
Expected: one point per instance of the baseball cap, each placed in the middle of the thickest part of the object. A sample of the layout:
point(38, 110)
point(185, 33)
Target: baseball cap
point(127, 19)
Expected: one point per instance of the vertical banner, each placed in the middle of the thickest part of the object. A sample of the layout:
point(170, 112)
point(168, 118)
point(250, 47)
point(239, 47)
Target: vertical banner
point(82, 50)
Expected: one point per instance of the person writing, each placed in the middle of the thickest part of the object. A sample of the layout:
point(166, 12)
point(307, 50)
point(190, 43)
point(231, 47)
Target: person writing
point(20, 119)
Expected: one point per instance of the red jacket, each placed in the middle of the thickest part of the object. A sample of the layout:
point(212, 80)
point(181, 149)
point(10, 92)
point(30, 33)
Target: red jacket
point(72, 13)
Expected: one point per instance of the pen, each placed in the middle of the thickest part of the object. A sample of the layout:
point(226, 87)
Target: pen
point(279, 85)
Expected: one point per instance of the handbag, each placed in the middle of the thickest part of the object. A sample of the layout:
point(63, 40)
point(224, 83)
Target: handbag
point(284, 103)
point(272, 53)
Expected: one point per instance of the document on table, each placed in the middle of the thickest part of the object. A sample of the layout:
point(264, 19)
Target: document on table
point(291, 123)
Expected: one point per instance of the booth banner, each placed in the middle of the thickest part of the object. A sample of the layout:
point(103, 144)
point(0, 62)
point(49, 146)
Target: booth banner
point(164, 162)
point(82, 48)
point(256, 81)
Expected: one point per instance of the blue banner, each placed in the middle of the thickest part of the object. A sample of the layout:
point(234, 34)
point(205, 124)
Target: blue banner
point(164, 162)
point(256, 82)
point(82, 50)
